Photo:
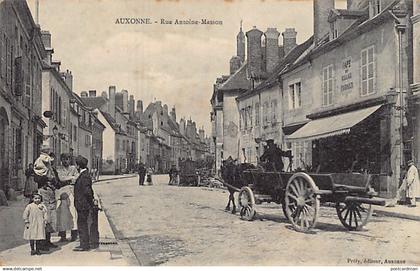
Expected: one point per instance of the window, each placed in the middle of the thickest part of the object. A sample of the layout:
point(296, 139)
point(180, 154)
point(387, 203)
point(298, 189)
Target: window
point(249, 114)
point(2, 55)
point(117, 144)
point(327, 85)
point(334, 30)
point(301, 154)
point(265, 113)
point(367, 70)
point(74, 133)
point(257, 114)
point(27, 79)
point(274, 111)
point(295, 96)
point(374, 7)
point(87, 140)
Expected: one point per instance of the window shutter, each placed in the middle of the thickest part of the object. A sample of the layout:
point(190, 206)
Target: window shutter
point(19, 77)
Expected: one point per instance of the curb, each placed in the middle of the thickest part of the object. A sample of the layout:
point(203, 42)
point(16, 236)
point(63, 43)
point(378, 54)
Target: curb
point(127, 253)
point(117, 178)
point(397, 215)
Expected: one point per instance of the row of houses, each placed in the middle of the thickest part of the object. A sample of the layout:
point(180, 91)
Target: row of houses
point(344, 98)
point(38, 106)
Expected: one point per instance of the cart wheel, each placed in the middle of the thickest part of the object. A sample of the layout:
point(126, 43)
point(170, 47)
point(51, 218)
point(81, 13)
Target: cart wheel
point(301, 204)
point(353, 215)
point(246, 201)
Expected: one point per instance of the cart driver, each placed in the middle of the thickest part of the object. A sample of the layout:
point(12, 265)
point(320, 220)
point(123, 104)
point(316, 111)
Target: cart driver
point(272, 157)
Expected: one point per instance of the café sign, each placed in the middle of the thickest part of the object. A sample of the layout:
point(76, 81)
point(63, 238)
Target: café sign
point(346, 76)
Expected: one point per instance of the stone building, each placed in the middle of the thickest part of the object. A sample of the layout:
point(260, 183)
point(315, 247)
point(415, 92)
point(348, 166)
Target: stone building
point(348, 87)
point(21, 55)
point(263, 55)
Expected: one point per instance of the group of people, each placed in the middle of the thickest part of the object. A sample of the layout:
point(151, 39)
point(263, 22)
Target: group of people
point(61, 200)
point(142, 171)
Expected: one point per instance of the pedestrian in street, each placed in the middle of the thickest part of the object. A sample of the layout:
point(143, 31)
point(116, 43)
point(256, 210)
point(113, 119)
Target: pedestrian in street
point(173, 175)
point(149, 176)
point(413, 185)
point(47, 193)
point(66, 212)
point(31, 187)
point(42, 167)
point(83, 201)
point(142, 173)
point(35, 217)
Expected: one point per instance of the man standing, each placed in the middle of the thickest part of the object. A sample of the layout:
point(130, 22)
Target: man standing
point(66, 212)
point(142, 173)
point(413, 184)
point(83, 201)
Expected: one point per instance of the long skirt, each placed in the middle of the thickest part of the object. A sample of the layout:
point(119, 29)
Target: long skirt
point(66, 212)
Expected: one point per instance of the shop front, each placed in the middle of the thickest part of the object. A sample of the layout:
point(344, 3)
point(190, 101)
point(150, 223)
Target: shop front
point(358, 141)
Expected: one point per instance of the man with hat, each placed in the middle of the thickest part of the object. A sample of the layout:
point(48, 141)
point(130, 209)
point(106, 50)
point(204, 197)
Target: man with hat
point(83, 201)
point(273, 157)
point(412, 182)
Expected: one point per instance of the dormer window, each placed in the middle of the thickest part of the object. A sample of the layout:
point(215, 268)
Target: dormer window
point(334, 30)
point(374, 7)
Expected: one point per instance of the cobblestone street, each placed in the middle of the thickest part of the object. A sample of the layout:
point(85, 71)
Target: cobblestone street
point(167, 225)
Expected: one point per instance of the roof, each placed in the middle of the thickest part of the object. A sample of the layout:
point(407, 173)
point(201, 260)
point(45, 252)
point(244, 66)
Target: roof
point(111, 121)
point(346, 13)
point(362, 25)
point(294, 54)
point(238, 80)
point(94, 102)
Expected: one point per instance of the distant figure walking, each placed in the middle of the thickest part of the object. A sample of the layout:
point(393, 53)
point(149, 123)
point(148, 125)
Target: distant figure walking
point(142, 173)
point(35, 218)
point(149, 176)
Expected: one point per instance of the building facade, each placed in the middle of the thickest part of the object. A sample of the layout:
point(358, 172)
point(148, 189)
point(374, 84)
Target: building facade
point(21, 55)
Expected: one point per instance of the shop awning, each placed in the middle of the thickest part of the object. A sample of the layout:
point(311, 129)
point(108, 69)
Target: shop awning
point(334, 125)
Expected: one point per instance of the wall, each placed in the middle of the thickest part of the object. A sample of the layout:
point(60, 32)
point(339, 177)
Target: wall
point(230, 126)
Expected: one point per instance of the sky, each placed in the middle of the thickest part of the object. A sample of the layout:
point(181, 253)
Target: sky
point(176, 64)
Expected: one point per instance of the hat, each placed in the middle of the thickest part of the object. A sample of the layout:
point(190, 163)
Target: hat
point(81, 161)
point(45, 148)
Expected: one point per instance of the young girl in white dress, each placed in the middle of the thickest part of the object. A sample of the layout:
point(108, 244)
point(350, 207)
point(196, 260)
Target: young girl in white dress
point(35, 218)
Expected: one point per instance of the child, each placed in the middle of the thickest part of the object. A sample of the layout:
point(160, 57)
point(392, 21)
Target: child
point(35, 218)
point(42, 167)
point(48, 194)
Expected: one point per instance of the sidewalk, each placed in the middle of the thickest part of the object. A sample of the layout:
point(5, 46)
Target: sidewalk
point(108, 254)
point(399, 211)
point(115, 177)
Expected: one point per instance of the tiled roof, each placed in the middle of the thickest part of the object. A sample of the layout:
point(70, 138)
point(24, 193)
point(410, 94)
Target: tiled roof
point(238, 80)
point(94, 102)
point(294, 54)
point(111, 121)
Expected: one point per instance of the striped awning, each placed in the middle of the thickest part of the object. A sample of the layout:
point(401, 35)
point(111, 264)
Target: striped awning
point(331, 126)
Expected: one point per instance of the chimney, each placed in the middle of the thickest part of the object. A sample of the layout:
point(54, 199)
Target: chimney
point(235, 64)
point(254, 52)
point(240, 45)
point(321, 25)
point(104, 95)
point(173, 114)
point(165, 110)
point(131, 105)
point(271, 49)
point(46, 39)
point(289, 40)
point(124, 100)
point(119, 100)
point(68, 79)
point(56, 65)
point(111, 103)
point(139, 106)
point(83, 94)
point(92, 93)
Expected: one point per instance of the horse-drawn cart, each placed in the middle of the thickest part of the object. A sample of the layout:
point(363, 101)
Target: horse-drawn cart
point(301, 193)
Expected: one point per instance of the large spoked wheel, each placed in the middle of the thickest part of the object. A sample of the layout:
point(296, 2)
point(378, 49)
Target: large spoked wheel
point(301, 202)
point(353, 215)
point(246, 201)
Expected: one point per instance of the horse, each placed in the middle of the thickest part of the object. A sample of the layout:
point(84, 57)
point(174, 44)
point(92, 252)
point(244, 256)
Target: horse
point(231, 175)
